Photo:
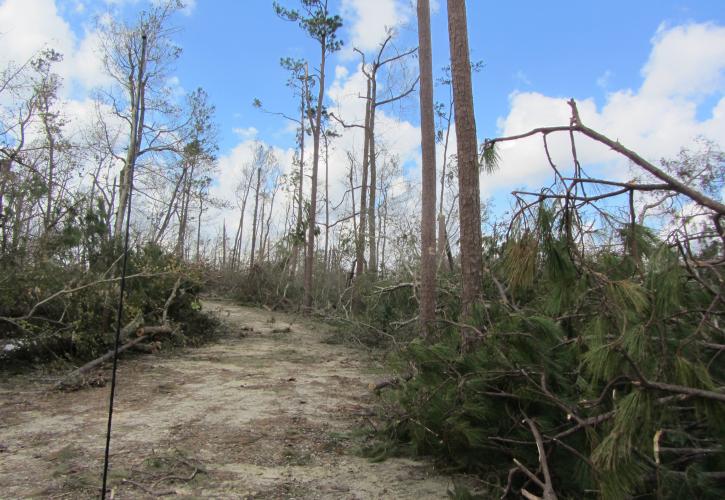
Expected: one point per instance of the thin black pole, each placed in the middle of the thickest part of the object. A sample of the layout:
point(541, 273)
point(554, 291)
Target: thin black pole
point(119, 317)
point(115, 347)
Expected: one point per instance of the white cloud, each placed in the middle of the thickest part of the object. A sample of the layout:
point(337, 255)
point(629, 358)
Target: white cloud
point(29, 26)
point(686, 61)
point(369, 20)
point(230, 171)
point(399, 137)
point(686, 65)
point(189, 5)
point(603, 80)
point(522, 78)
point(246, 133)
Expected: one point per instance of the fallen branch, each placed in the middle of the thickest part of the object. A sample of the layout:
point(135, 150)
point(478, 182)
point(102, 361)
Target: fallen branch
point(145, 333)
point(547, 485)
point(389, 382)
point(716, 395)
point(679, 389)
point(148, 490)
point(577, 126)
point(169, 300)
point(177, 478)
point(68, 291)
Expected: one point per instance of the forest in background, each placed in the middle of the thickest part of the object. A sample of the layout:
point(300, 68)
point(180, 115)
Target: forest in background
point(570, 348)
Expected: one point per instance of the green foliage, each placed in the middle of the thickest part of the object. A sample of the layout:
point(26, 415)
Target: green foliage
point(315, 19)
point(55, 310)
point(490, 158)
point(574, 356)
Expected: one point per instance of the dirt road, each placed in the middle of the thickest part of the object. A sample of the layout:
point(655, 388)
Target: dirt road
point(270, 412)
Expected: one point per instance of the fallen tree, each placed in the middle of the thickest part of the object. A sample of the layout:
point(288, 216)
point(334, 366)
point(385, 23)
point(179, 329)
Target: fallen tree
point(143, 334)
point(597, 371)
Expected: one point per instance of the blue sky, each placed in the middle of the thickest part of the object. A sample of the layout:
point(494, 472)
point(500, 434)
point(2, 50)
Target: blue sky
point(650, 72)
point(232, 49)
point(582, 49)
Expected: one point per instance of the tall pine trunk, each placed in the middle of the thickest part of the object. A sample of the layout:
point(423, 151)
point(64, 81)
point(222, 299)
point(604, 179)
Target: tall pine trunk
point(310, 255)
point(300, 193)
point(428, 239)
point(184, 215)
point(224, 244)
point(444, 247)
point(327, 204)
point(468, 172)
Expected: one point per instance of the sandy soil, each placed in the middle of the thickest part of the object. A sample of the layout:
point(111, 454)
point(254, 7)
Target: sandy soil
point(268, 411)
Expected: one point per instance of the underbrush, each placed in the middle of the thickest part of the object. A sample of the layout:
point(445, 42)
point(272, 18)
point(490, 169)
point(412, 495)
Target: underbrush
point(591, 378)
point(55, 313)
point(373, 312)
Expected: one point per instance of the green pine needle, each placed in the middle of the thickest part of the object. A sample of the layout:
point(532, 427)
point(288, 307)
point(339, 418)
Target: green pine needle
point(489, 157)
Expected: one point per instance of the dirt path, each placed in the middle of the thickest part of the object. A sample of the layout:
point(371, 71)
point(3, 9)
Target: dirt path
point(266, 413)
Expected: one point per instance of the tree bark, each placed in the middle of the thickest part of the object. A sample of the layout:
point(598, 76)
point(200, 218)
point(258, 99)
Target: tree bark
point(198, 229)
point(135, 134)
point(373, 261)
point(254, 219)
point(327, 203)
point(300, 193)
point(468, 173)
point(360, 247)
point(310, 256)
point(428, 239)
point(237, 251)
point(185, 202)
point(352, 198)
point(171, 208)
point(224, 244)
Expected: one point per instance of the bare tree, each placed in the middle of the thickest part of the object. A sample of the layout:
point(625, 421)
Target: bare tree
point(245, 185)
point(263, 161)
point(138, 58)
point(367, 229)
point(254, 217)
point(372, 73)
